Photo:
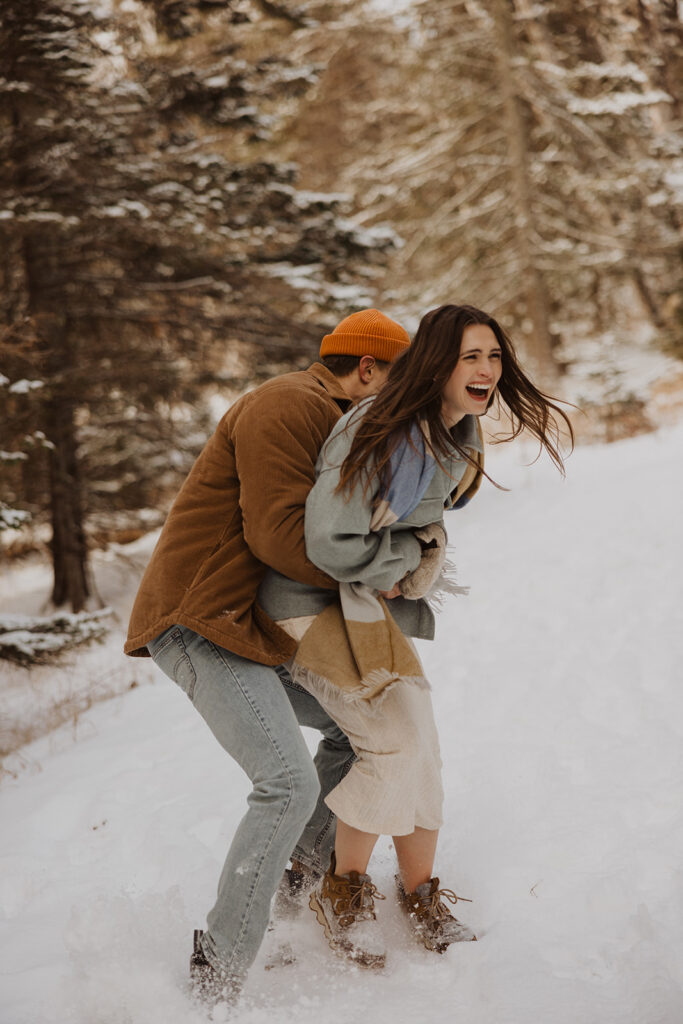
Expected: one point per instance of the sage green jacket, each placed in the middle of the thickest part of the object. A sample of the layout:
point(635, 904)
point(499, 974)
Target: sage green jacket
point(339, 540)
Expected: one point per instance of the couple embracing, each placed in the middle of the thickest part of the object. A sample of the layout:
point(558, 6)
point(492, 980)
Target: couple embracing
point(292, 572)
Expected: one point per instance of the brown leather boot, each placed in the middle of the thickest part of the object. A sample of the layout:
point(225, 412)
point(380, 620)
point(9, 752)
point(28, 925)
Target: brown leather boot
point(295, 885)
point(345, 907)
point(429, 916)
point(209, 985)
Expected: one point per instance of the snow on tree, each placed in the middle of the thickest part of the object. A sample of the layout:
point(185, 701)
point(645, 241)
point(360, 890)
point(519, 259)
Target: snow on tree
point(39, 640)
point(35, 640)
point(550, 163)
point(527, 153)
point(18, 440)
point(607, 158)
point(141, 236)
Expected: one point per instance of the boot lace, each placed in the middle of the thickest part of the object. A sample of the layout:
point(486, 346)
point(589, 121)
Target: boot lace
point(433, 907)
point(358, 900)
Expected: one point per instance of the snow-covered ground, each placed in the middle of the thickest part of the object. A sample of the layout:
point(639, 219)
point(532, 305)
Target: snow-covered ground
point(557, 684)
point(35, 702)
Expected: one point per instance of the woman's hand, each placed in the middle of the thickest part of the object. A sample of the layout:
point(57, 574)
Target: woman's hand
point(389, 594)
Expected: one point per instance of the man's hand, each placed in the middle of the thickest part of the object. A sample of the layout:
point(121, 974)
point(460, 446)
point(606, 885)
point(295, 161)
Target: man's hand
point(388, 594)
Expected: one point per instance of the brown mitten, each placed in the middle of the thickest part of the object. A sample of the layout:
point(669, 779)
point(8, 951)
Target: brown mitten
point(420, 581)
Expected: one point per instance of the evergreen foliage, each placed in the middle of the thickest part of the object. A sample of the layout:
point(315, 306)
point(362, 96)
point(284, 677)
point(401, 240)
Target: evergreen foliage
point(40, 640)
point(561, 161)
point(155, 240)
point(136, 244)
point(529, 153)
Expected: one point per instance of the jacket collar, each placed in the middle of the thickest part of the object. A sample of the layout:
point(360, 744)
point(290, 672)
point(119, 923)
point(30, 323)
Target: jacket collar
point(329, 382)
point(468, 433)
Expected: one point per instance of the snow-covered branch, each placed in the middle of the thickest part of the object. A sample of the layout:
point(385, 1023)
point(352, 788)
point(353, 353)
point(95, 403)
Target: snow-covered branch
point(38, 640)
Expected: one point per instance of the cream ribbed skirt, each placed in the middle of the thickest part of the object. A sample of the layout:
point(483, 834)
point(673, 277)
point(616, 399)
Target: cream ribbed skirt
point(394, 786)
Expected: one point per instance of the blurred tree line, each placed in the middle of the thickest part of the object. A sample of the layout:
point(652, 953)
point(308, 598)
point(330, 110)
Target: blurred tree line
point(157, 237)
point(528, 152)
point(572, 187)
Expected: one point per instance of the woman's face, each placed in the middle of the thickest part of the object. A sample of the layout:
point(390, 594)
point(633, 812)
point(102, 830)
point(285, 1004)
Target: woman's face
point(476, 373)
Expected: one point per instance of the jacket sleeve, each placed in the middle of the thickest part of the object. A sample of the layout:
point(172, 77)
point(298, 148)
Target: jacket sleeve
point(338, 535)
point(277, 438)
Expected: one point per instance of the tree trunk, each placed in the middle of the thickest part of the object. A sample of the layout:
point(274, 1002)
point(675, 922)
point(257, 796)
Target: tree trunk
point(537, 301)
point(69, 551)
point(647, 297)
point(68, 545)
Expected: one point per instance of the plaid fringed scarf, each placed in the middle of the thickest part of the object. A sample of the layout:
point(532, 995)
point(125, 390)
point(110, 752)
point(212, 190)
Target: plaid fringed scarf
point(355, 645)
point(412, 467)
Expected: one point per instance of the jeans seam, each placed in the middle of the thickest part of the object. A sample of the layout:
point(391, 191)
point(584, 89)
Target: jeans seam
point(175, 643)
point(314, 859)
point(176, 634)
point(292, 685)
point(185, 657)
point(326, 827)
point(278, 822)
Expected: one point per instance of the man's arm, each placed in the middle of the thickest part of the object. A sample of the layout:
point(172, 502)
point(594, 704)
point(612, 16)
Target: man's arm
point(277, 438)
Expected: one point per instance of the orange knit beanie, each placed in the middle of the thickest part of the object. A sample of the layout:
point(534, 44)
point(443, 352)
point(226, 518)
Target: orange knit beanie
point(366, 333)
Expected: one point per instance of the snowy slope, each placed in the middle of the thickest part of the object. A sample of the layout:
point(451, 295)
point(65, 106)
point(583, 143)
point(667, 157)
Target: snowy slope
point(557, 684)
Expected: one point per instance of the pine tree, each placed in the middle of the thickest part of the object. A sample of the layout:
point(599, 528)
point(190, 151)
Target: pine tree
point(527, 152)
point(20, 441)
point(562, 171)
point(31, 640)
point(606, 154)
point(41, 640)
point(134, 248)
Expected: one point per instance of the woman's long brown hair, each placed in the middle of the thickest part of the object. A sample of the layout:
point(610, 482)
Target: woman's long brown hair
point(412, 394)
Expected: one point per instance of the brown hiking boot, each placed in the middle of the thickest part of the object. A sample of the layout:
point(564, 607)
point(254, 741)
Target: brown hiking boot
point(429, 916)
point(295, 885)
point(209, 985)
point(345, 907)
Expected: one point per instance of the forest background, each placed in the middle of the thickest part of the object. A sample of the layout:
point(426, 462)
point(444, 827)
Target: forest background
point(193, 192)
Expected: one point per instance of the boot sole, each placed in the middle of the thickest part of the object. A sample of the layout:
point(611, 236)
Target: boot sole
point(440, 947)
point(374, 961)
point(432, 945)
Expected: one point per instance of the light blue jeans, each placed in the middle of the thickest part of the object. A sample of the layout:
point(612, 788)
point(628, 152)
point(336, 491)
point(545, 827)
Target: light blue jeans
point(255, 712)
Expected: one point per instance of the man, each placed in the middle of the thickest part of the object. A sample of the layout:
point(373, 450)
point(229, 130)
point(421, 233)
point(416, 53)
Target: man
point(236, 525)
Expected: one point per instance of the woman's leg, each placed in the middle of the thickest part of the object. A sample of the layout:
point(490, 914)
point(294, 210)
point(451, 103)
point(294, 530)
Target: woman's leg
point(415, 854)
point(423, 901)
point(352, 849)
point(344, 900)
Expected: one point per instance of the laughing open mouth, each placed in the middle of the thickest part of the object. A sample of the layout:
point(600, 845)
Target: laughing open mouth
point(479, 391)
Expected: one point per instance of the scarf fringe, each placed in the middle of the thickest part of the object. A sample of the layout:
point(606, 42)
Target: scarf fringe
point(446, 586)
point(358, 697)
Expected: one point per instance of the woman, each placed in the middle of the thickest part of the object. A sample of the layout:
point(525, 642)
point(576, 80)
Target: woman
point(374, 523)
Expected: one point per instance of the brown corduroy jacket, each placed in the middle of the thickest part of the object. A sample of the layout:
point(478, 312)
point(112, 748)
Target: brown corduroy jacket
point(241, 510)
